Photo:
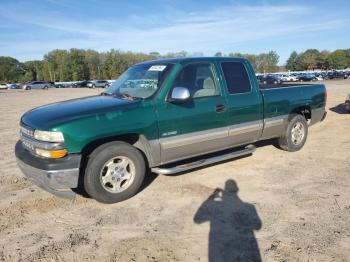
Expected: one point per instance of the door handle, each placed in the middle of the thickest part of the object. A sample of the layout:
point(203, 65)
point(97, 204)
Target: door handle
point(220, 108)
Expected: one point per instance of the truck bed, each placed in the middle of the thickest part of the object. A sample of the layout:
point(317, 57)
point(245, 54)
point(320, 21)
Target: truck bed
point(283, 99)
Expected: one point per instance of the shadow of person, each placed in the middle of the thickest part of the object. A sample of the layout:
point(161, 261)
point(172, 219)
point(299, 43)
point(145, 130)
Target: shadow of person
point(340, 109)
point(232, 225)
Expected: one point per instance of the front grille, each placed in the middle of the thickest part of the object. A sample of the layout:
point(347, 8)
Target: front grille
point(26, 135)
point(27, 144)
point(26, 131)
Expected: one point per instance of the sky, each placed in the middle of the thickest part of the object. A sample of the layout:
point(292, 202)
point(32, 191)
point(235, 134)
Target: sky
point(30, 29)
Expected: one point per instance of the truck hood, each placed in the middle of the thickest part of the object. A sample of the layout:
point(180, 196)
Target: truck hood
point(52, 115)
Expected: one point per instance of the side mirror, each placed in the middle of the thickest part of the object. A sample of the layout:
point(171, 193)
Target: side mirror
point(179, 94)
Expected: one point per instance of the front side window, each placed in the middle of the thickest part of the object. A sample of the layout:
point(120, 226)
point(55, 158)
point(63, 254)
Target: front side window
point(237, 80)
point(140, 81)
point(198, 79)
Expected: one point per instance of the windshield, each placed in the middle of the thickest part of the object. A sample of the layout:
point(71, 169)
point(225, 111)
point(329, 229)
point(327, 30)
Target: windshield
point(140, 81)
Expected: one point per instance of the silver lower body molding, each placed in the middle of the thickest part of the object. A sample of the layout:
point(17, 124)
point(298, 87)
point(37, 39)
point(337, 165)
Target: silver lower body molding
point(203, 162)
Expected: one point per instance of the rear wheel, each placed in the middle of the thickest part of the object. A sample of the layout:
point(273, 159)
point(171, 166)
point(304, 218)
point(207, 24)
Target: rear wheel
point(295, 135)
point(115, 172)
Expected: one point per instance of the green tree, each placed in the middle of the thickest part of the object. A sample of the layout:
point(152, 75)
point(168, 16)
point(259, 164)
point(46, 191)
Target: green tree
point(338, 59)
point(292, 62)
point(76, 64)
point(33, 71)
point(323, 60)
point(267, 62)
point(93, 64)
point(11, 70)
point(309, 58)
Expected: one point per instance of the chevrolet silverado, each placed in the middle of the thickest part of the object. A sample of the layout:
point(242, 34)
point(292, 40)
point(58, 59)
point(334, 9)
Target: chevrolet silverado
point(167, 116)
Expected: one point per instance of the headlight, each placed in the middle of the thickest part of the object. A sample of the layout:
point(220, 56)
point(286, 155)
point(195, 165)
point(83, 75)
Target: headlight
point(48, 136)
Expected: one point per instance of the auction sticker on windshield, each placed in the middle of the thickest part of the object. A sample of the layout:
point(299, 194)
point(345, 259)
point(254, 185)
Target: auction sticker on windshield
point(157, 68)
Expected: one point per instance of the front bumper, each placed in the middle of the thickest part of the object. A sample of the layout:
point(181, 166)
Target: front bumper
point(56, 176)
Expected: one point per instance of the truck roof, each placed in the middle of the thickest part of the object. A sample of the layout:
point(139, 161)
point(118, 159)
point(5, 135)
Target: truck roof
point(193, 59)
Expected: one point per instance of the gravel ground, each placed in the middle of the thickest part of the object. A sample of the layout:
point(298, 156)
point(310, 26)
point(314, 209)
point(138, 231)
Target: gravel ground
point(275, 205)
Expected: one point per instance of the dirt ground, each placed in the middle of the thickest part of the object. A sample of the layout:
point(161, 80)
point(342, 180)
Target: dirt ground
point(275, 205)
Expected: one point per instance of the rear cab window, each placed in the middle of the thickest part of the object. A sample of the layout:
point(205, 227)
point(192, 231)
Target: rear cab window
point(236, 77)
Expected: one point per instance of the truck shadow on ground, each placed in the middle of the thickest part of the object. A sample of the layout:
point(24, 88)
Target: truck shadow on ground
point(232, 225)
point(339, 109)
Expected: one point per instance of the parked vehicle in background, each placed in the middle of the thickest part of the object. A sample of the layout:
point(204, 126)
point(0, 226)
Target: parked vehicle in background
point(319, 76)
point(59, 85)
point(271, 79)
point(175, 110)
point(98, 83)
point(81, 84)
point(289, 78)
point(36, 85)
point(13, 86)
point(347, 103)
point(306, 77)
point(337, 75)
point(3, 86)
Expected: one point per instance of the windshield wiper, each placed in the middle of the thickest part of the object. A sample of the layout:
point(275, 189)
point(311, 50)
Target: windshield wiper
point(106, 94)
point(121, 95)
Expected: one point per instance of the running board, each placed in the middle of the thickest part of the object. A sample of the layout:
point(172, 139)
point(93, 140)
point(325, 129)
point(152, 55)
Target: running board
point(203, 162)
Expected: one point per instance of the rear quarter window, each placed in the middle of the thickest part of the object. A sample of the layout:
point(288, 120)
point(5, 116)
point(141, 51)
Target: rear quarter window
point(236, 77)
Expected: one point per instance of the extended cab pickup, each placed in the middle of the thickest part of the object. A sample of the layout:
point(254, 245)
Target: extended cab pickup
point(167, 116)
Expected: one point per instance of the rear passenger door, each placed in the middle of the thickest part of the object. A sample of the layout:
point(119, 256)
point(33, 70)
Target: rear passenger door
point(245, 104)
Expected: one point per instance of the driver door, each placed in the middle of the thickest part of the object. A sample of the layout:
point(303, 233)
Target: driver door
point(198, 125)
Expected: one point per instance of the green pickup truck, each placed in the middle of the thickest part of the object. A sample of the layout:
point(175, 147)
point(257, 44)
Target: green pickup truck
point(164, 116)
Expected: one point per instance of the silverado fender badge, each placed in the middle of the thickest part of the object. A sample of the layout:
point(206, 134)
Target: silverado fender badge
point(169, 133)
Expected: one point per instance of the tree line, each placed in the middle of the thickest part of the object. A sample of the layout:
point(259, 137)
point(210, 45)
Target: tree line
point(313, 59)
point(78, 64)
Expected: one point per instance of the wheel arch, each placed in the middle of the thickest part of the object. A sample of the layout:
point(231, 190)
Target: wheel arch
point(137, 140)
point(301, 110)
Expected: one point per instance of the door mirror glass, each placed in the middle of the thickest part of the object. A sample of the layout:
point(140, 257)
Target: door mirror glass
point(179, 94)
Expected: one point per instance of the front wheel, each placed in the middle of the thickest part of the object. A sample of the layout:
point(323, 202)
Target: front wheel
point(115, 172)
point(295, 135)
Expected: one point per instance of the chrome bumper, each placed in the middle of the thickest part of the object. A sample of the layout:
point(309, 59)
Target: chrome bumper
point(48, 176)
point(57, 182)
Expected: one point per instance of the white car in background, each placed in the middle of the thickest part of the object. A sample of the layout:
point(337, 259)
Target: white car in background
point(289, 78)
point(3, 86)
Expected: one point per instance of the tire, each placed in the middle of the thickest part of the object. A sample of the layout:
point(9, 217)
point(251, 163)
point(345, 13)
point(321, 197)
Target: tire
point(28, 88)
point(102, 180)
point(93, 86)
point(45, 87)
point(295, 135)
